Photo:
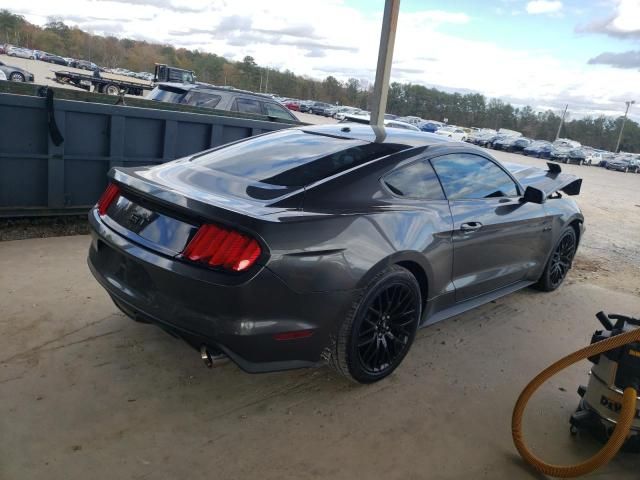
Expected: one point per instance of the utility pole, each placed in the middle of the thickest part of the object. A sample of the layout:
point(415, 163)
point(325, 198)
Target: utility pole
point(266, 83)
point(624, 120)
point(385, 58)
point(260, 89)
point(562, 121)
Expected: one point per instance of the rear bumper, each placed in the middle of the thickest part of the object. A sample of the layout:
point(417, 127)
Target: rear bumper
point(239, 320)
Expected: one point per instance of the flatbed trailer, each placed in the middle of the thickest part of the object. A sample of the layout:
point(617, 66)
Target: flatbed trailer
point(110, 86)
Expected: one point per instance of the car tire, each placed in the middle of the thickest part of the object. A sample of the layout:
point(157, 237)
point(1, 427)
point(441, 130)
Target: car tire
point(560, 261)
point(368, 346)
point(488, 145)
point(626, 169)
point(16, 77)
point(581, 162)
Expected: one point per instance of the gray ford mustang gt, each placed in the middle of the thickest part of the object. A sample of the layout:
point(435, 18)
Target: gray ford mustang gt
point(328, 243)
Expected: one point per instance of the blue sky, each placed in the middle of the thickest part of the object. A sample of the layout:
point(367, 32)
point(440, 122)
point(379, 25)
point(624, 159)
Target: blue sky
point(543, 53)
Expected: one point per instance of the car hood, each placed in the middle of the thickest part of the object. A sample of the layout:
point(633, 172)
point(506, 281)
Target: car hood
point(549, 181)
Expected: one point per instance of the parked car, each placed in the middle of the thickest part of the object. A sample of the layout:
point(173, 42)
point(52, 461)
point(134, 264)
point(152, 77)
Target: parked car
point(577, 156)
point(606, 158)
point(491, 139)
point(340, 114)
point(16, 74)
point(429, 126)
point(21, 53)
point(454, 133)
point(320, 108)
point(623, 163)
point(399, 124)
point(593, 157)
point(71, 62)
point(220, 249)
point(502, 142)
point(413, 120)
point(518, 144)
point(86, 65)
point(292, 105)
point(220, 98)
point(560, 154)
point(148, 76)
point(305, 106)
point(481, 138)
point(538, 148)
point(51, 58)
point(566, 142)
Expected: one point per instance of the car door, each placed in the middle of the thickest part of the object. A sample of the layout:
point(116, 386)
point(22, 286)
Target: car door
point(498, 239)
point(425, 225)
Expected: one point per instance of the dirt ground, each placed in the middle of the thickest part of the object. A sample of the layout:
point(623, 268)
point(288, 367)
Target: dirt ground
point(85, 391)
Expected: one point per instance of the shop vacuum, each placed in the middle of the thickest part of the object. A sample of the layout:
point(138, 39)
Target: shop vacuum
point(609, 403)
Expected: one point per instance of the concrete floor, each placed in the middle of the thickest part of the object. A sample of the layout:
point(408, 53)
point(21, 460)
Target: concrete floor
point(86, 392)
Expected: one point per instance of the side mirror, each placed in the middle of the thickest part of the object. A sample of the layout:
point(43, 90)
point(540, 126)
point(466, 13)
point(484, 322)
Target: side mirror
point(533, 195)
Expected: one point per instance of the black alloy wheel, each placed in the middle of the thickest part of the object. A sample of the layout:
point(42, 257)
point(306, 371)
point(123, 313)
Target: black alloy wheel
point(377, 334)
point(560, 261)
point(384, 333)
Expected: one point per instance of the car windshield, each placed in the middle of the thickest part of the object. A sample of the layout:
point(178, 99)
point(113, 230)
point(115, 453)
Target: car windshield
point(293, 157)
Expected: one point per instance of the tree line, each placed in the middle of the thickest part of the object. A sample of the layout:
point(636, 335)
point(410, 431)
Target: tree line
point(472, 109)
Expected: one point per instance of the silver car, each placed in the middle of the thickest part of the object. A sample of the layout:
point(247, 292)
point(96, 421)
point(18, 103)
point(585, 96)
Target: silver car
point(21, 53)
point(16, 74)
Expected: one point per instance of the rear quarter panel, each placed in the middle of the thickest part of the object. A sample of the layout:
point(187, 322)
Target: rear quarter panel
point(352, 227)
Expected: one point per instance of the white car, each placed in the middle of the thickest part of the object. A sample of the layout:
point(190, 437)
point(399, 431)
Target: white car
point(340, 114)
point(399, 124)
point(454, 133)
point(593, 158)
point(21, 53)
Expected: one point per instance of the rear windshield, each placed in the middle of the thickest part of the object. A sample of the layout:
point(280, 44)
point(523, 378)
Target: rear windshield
point(293, 157)
point(166, 93)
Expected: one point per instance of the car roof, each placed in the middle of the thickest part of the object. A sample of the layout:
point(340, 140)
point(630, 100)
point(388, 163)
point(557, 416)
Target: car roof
point(213, 88)
point(368, 133)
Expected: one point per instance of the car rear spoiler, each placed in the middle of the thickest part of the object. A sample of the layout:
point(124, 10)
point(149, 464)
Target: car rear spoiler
point(548, 181)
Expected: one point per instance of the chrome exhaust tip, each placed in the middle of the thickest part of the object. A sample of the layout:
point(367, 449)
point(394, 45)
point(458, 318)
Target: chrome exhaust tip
point(211, 361)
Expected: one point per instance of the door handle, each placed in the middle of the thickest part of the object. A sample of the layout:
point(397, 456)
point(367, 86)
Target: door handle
point(471, 226)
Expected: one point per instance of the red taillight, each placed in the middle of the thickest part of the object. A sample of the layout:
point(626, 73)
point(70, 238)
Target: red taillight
point(296, 335)
point(107, 198)
point(224, 248)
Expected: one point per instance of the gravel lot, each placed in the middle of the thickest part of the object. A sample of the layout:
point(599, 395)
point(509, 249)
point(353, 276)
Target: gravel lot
point(84, 389)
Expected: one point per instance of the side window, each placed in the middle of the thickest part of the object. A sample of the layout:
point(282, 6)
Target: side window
point(273, 110)
point(417, 180)
point(246, 105)
point(202, 99)
point(468, 176)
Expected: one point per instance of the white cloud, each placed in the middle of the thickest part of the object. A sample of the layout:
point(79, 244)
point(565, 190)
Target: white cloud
point(624, 23)
point(544, 6)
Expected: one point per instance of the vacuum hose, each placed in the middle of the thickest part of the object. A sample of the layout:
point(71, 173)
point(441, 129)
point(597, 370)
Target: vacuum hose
point(623, 427)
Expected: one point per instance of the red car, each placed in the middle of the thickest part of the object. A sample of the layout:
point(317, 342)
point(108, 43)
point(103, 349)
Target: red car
point(292, 105)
